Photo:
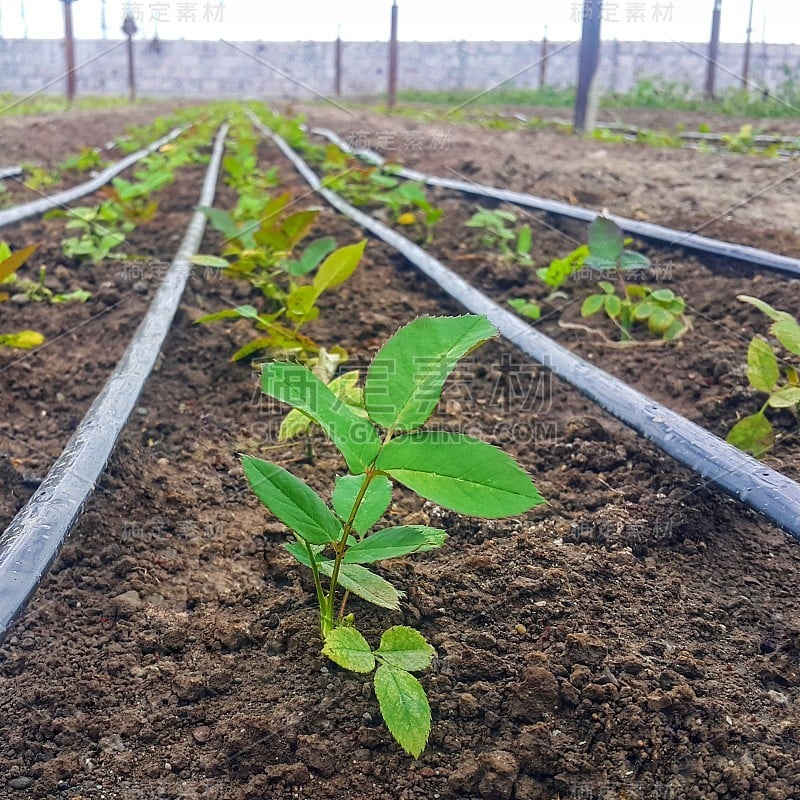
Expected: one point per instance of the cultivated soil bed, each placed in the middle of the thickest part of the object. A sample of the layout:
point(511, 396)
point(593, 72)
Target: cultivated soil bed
point(638, 637)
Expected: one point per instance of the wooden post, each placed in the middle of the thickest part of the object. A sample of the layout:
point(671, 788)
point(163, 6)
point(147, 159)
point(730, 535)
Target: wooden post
point(392, 94)
point(713, 50)
point(589, 59)
point(337, 57)
point(746, 67)
point(543, 61)
point(69, 48)
point(129, 29)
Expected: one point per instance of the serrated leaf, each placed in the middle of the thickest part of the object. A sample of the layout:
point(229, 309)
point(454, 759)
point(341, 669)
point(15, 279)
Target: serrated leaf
point(787, 397)
point(762, 366)
point(373, 506)
point(405, 380)
point(292, 501)
point(405, 648)
point(404, 707)
point(338, 266)
point(311, 257)
point(356, 439)
point(349, 649)
point(592, 304)
point(460, 473)
point(605, 240)
point(787, 332)
point(367, 585)
point(388, 543)
point(752, 434)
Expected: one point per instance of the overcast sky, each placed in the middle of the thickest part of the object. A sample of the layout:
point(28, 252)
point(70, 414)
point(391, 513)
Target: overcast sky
point(429, 20)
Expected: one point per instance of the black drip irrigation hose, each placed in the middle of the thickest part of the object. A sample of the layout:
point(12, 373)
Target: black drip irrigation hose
point(771, 262)
point(758, 486)
point(30, 543)
point(9, 216)
point(9, 172)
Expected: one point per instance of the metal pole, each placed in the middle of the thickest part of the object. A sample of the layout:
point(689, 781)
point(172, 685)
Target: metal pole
point(713, 50)
point(543, 60)
point(746, 67)
point(129, 29)
point(337, 84)
point(69, 47)
point(589, 59)
point(392, 94)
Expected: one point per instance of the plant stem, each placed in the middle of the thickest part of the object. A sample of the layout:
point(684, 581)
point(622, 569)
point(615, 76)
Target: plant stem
point(341, 547)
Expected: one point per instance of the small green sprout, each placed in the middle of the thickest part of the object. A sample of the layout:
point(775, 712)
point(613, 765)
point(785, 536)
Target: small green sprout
point(765, 372)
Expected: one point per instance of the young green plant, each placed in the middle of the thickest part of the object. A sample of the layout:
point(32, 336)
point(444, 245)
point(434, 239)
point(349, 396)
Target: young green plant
point(660, 309)
point(386, 442)
point(497, 231)
point(766, 373)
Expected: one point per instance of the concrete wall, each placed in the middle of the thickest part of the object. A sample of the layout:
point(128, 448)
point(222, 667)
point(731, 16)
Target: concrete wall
point(216, 69)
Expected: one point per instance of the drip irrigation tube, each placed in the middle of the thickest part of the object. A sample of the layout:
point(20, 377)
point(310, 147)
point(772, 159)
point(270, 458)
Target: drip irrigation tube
point(772, 262)
point(9, 216)
point(30, 543)
point(758, 486)
point(9, 172)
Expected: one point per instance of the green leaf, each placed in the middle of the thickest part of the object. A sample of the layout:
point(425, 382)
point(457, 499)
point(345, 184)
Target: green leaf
point(613, 305)
point(772, 313)
point(663, 295)
point(311, 256)
point(752, 434)
point(209, 261)
point(293, 424)
point(630, 259)
point(460, 473)
point(349, 649)
point(660, 320)
point(787, 332)
point(525, 307)
point(294, 503)
point(786, 397)
point(405, 380)
point(404, 707)
point(605, 240)
point(388, 543)
point(222, 221)
point(338, 266)
point(373, 506)
point(524, 240)
point(592, 304)
point(762, 366)
point(367, 585)
point(607, 287)
point(643, 310)
point(405, 648)
point(354, 436)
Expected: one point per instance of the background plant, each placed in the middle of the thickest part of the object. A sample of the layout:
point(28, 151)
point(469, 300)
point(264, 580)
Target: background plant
point(498, 232)
point(767, 372)
point(402, 389)
point(9, 264)
point(629, 304)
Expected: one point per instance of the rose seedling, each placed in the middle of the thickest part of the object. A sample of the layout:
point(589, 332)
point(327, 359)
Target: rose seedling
point(660, 309)
point(770, 375)
point(338, 541)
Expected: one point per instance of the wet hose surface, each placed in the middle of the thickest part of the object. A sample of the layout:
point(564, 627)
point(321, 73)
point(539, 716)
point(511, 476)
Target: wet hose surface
point(30, 543)
point(15, 214)
point(659, 234)
point(764, 489)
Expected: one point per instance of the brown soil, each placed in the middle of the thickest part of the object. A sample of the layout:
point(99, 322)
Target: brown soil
point(638, 637)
